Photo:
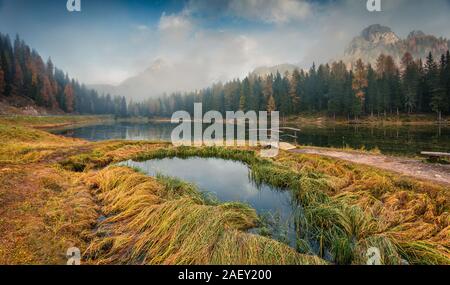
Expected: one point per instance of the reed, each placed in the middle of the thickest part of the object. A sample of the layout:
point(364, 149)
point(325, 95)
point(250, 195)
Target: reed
point(169, 222)
point(346, 208)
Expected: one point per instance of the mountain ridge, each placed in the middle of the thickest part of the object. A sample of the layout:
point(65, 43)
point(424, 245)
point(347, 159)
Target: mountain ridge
point(373, 41)
point(377, 39)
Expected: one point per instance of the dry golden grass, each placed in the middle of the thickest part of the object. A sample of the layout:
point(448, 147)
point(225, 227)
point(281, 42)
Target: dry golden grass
point(412, 215)
point(146, 224)
point(348, 208)
point(51, 121)
point(23, 145)
point(257, 250)
point(44, 212)
point(360, 206)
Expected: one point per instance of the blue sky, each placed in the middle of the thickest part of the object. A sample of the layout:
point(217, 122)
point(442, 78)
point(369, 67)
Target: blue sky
point(111, 40)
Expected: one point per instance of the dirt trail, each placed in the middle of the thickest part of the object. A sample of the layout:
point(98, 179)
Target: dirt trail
point(406, 166)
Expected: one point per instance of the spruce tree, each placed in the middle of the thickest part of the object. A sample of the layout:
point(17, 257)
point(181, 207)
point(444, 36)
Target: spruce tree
point(294, 92)
point(431, 81)
point(2, 82)
point(371, 94)
point(410, 82)
point(438, 100)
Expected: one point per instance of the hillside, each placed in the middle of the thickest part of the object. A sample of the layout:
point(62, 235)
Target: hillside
point(28, 85)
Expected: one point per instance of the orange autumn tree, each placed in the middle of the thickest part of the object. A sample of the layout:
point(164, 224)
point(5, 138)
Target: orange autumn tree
point(46, 90)
point(360, 82)
point(17, 85)
point(271, 107)
point(69, 98)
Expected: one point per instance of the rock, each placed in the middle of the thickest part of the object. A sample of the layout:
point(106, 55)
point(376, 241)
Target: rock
point(376, 40)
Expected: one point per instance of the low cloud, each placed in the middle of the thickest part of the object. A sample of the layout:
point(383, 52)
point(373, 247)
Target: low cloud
point(195, 55)
point(271, 11)
point(174, 23)
point(266, 11)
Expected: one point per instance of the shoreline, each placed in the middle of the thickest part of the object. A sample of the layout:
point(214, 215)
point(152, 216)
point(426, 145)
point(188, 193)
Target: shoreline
point(57, 121)
point(413, 120)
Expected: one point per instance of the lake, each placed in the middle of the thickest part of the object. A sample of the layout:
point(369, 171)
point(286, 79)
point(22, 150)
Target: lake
point(397, 140)
point(213, 176)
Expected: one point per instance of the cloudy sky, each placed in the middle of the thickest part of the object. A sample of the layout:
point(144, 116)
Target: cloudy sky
point(111, 40)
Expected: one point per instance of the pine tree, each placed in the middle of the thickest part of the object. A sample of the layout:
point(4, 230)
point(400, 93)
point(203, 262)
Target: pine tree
point(285, 104)
point(258, 100)
point(337, 88)
point(17, 83)
point(268, 93)
point(431, 81)
point(433, 93)
point(410, 82)
point(242, 103)
point(7, 62)
point(438, 99)
point(53, 84)
point(323, 85)
point(277, 90)
point(294, 92)
point(447, 79)
point(396, 95)
point(123, 107)
point(2, 82)
point(311, 96)
point(245, 93)
point(371, 95)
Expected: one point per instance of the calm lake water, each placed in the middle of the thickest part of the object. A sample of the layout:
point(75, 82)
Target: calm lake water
point(404, 140)
point(230, 181)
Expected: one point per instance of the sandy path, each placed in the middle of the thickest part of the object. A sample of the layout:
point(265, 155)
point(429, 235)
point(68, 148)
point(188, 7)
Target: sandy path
point(406, 166)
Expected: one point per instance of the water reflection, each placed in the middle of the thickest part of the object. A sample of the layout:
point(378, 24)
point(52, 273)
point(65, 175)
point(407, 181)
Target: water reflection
point(407, 140)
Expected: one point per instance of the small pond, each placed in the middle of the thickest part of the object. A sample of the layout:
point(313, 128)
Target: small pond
point(230, 181)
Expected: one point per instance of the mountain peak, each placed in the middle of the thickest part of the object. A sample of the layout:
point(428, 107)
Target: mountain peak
point(379, 34)
point(377, 39)
point(157, 65)
point(374, 29)
point(416, 34)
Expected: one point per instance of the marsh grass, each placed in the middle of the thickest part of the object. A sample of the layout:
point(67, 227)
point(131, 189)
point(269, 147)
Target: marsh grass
point(50, 121)
point(20, 144)
point(176, 188)
point(169, 222)
point(346, 209)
